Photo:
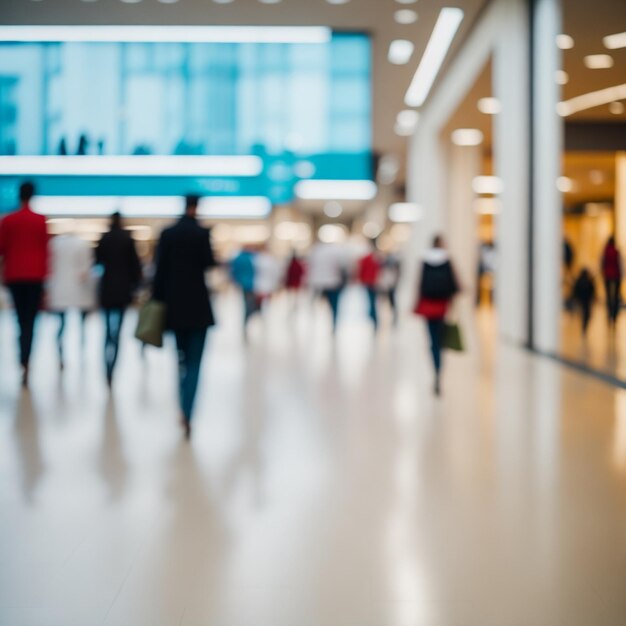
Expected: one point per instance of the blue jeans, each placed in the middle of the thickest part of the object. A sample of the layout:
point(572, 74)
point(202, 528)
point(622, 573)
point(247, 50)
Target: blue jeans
point(435, 330)
point(332, 296)
point(372, 296)
point(190, 345)
point(113, 319)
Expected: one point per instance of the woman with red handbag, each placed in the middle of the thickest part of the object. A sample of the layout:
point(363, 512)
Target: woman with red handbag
point(437, 288)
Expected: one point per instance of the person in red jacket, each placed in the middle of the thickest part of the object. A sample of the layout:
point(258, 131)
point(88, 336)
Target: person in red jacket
point(369, 271)
point(612, 274)
point(24, 248)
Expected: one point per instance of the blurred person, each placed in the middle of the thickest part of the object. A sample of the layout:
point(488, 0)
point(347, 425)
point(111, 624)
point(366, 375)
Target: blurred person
point(388, 280)
point(612, 275)
point(71, 283)
point(83, 145)
point(268, 275)
point(294, 277)
point(117, 255)
point(184, 254)
point(242, 273)
point(328, 271)
point(584, 294)
point(437, 288)
point(24, 247)
point(369, 268)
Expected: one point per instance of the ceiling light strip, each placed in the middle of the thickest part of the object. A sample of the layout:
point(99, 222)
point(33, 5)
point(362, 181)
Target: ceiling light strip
point(591, 100)
point(336, 190)
point(167, 34)
point(149, 165)
point(437, 48)
point(232, 207)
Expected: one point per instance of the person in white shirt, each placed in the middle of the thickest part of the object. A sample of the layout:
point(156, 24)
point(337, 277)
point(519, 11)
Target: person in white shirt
point(329, 266)
point(268, 275)
point(71, 284)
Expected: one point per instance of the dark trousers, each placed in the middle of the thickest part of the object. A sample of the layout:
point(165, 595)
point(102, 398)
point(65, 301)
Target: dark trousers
point(190, 346)
point(250, 305)
point(26, 299)
point(585, 309)
point(612, 287)
point(332, 296)
point(372, 297)
point(113, 319)
point(435, 330)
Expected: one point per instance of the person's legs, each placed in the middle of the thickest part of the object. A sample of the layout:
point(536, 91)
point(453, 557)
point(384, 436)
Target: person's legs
point(391, 295)
point(26, 299)
point(60, 334)
point(435, 330)
point(332, 296)
point(586, 316)
point(190, 346)
point(373, 313)
point(611, 295)
point(113, 320)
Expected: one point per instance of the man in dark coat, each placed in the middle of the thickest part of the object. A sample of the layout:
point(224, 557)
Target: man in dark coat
point(183, 256)
point(117, 255)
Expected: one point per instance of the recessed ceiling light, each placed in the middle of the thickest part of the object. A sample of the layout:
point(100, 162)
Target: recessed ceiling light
point(406, 1)
point(131, 1)
point(168, 1)
point(438, 45)
point(565, 42)
point(333, 209)
point(405, 16)
point(400, 51)
point(598, 61)
point(406, 122)
point(613, 42)
point(270, 1)
point(223, 1)
point(337, 1)
point(565, 184)
point(489, 106)
point(562, 77)
point(487, 185)
point(467, 137)
point(372, 229)
point(617, 108)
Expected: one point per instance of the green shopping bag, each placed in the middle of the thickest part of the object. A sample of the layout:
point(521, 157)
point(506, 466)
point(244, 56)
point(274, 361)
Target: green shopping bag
point(151, 323)
point(452, 337)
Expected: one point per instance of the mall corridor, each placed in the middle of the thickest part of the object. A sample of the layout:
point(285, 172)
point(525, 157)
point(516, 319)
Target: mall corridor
point(324, 486)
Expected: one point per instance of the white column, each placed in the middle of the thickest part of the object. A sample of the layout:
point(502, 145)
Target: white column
point(462, 225)
point(511, 150)
point(547, 201)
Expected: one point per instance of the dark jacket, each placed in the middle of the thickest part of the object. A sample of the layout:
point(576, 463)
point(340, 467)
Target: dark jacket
point(122, 270)
point(584, 289)
point(438, 278)
point(183, 256)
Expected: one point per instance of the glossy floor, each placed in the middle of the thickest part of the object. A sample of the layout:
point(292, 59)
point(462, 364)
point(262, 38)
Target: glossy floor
point(324, 486)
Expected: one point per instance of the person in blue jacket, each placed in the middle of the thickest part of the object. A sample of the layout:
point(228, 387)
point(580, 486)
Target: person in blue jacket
point(242, 274)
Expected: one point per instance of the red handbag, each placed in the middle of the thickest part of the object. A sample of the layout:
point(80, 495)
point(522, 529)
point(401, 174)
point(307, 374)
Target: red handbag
point(431, 309)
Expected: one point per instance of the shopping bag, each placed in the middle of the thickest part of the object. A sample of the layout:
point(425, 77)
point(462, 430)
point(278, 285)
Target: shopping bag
point(151, 323)
point(452, 337)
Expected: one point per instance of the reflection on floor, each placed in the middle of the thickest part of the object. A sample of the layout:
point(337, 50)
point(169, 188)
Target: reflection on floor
point(325, 486)
point(602, 349)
